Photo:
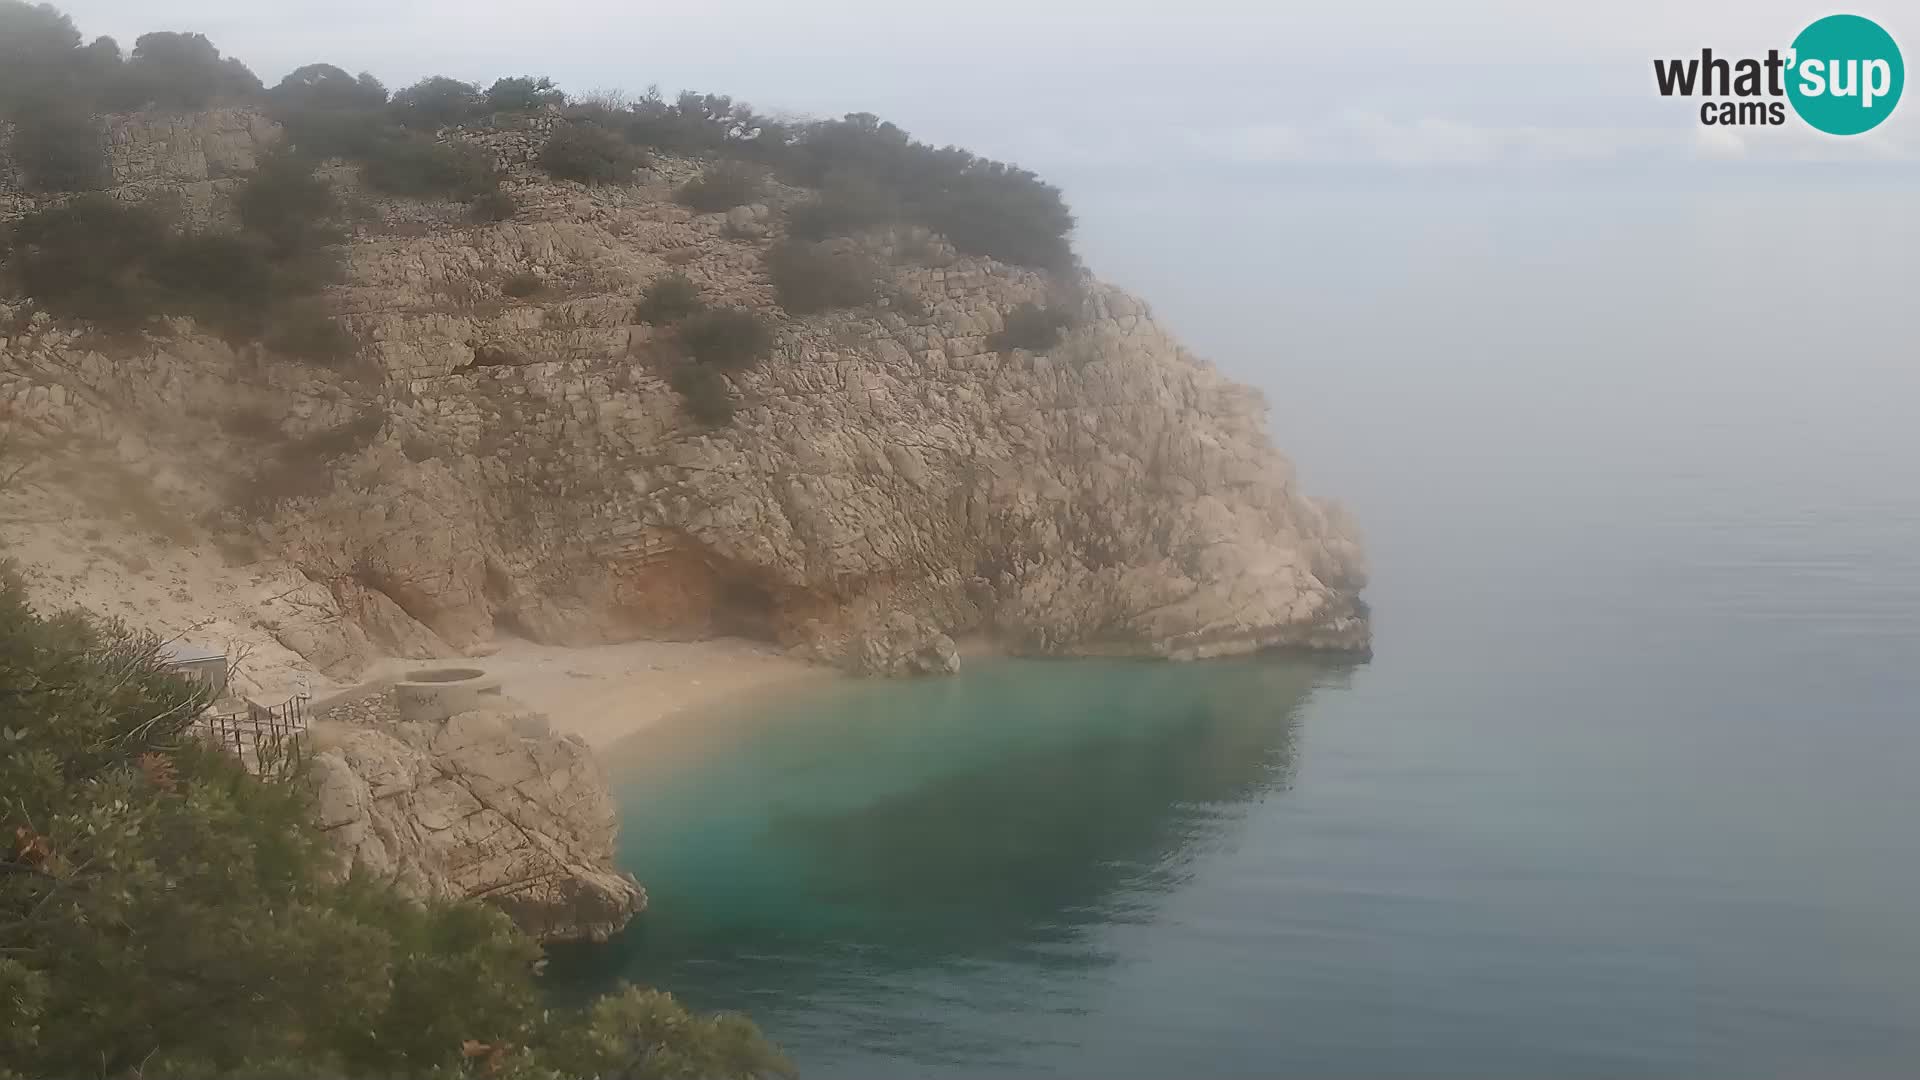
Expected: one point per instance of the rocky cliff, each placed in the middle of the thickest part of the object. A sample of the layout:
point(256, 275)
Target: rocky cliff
point(486, 805)
point(519, 463)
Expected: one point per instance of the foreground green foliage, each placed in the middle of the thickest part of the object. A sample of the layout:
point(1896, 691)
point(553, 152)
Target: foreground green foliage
point(165, 914)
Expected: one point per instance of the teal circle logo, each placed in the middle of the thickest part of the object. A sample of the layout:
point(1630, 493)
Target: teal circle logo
point(1846, 75)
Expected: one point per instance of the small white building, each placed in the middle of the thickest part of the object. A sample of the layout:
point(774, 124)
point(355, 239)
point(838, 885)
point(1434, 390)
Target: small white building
point(203, 665)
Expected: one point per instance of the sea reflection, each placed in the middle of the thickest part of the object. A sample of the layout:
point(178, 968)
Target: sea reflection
point(896, 853)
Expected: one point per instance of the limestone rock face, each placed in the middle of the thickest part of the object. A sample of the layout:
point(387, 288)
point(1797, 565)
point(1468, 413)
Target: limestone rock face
point(523, 464)
point(490, 805)
point(903, 645)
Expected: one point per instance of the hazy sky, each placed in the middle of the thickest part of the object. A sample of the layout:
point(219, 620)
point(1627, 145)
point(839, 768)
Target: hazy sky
point(1399, 84)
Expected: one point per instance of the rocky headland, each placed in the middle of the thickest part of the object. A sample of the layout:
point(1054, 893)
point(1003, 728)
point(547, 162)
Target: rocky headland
point(507, 457)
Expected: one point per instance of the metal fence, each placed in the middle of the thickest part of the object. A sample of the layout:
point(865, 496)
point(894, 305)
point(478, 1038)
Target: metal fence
point(271, 740)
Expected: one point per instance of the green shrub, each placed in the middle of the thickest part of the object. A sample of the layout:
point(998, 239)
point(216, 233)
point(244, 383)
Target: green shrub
point(705, 393)
point(983, 207)
point(732, 339)
point(418, 167)
point(808, 279)
point(120, 265)
point(165, 913)
point(91, 259)
point(38, 47)
point(284, 202)
point(590, 154)
point(521, 286)
point(179, 71)
point(1004, 213)
point(721, 187)
point(1030, 327)
point(437, 102)
point(225, 280)
point(693, 123)
point(327, 113)
point(523, 94)
point(355, 134)
point(493, 206)
point(669, 298)
point(61, 147)
point(847, 204)
point(323, 86)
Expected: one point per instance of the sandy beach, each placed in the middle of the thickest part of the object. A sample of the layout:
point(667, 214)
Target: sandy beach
point(604, 693)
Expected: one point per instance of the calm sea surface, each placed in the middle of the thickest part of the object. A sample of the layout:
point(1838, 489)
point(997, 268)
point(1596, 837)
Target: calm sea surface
point(1629, 790)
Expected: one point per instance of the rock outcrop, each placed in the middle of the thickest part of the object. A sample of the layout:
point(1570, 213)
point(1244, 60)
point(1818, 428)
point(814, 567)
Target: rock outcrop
point(890, 479)
point(490, 805)
point(902, 644)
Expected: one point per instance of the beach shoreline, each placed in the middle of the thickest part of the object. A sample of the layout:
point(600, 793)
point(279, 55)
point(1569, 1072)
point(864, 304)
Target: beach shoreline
point(606, 693)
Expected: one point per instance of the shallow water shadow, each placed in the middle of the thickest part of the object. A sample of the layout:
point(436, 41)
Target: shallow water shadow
point(872, 830)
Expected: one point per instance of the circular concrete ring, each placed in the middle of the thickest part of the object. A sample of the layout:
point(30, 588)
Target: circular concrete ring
point(430, 695)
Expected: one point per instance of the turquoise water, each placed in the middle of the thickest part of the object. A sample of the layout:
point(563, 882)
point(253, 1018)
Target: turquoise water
point(1231, 868)
point(1628, 790)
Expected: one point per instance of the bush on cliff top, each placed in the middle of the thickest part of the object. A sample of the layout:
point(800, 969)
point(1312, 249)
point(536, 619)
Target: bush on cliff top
point(869, 172)
point(696, 123)
point(590, 154)
point(165, 914)
point(526, 93)
point(436, 102)
point(846, 204)
point(180, 71)
point(984, 207)
point(328, 113)
point(809, 279)
point(49, 90)
point(721, 187)
point(323, 86)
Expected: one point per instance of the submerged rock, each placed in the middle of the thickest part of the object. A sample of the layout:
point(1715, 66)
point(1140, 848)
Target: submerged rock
point(490, 805)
